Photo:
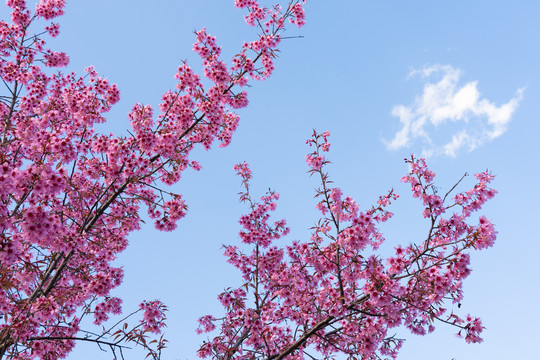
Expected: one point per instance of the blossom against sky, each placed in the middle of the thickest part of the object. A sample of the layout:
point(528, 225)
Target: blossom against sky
point(348, 75)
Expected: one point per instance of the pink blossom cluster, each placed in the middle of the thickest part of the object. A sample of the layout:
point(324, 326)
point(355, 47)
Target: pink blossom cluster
point(49, 9)
point(333, 294)
point(70, 196)
point(270, 21)
point(315, 160)
point(110, 305)
point(154, 315)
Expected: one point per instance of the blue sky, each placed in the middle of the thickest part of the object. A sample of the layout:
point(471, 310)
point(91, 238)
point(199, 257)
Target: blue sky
point(457, 81)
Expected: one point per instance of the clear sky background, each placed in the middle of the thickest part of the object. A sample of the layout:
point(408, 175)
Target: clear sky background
point(458, 81)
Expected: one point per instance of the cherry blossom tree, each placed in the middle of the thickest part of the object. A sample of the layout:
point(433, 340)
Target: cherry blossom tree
point(70, 196)
point(334, 293)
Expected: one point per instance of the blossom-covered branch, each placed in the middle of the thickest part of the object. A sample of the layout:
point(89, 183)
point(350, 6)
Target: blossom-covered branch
point(334, 293)
point(69, 196)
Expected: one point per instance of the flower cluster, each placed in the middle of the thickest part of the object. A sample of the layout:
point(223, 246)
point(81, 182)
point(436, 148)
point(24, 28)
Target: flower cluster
point(315, 160)
point(154, 315)
point(109, 305)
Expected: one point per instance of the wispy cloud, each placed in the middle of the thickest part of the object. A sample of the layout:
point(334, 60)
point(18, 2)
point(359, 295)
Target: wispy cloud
point(476, 119)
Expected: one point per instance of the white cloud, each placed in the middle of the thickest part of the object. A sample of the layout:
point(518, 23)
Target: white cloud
point(476, 120)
